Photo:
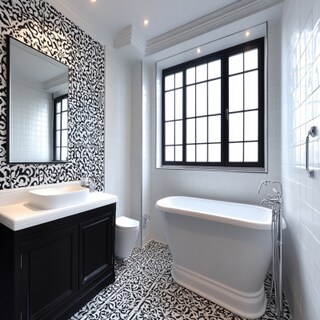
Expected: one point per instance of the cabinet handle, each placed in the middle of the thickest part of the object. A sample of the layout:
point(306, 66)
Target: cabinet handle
point(312, 133)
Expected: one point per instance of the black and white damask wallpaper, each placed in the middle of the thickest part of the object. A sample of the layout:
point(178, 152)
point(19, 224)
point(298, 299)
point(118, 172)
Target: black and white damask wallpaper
point(40, 26)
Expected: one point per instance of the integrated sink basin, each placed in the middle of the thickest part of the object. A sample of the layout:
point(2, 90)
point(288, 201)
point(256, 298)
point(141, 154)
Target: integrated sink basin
point(57, 197)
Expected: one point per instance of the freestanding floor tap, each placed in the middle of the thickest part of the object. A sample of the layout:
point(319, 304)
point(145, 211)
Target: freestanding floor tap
point(274, 201)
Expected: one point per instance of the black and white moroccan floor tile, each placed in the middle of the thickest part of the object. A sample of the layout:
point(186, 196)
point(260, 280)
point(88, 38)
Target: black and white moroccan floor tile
point(144, 290)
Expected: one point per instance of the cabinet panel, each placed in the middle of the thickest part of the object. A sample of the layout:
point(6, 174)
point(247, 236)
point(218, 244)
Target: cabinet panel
point(49, 271)
point(49, 268)
point(96, 243)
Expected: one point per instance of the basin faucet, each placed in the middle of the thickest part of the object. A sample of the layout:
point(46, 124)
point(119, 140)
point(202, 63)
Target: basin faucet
point(88, 183)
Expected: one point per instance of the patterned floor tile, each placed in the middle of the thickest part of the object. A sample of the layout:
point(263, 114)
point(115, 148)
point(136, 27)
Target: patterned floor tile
point(144, 290)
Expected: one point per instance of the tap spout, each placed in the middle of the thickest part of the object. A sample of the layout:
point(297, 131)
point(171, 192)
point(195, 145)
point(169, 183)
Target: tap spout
point(263, 183)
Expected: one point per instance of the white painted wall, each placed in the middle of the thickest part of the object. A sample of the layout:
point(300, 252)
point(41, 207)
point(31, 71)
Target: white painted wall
point(137, 143)
point(147, 90)
point(32, 113)
point(118, 130)
point(140, 150)
point(301, 110)
point(230, 186)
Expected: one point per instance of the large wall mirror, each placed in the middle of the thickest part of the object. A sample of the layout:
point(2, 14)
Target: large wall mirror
point(38, 106)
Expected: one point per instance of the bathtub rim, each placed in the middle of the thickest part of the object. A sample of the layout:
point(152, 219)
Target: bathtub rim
point(162, 206)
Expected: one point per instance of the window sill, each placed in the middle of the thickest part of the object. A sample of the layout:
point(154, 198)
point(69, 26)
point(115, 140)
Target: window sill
point(217, 169)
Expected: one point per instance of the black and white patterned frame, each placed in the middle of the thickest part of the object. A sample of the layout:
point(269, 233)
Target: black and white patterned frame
point(40, 26)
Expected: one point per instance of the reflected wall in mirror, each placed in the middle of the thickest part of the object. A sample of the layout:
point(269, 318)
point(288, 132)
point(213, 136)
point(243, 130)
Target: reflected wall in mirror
point(38, 106)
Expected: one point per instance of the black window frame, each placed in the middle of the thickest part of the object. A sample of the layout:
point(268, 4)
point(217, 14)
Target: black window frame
point(55, 112)
point(223, 55)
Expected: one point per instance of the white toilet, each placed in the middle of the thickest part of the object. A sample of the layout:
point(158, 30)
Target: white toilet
point(126, 236)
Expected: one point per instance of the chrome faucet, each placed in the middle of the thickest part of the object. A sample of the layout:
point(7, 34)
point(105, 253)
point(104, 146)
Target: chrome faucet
point(276, 197)
point(275, 202)
point(88, 183)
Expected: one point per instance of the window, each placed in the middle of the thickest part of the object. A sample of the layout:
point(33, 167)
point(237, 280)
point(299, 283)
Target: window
point(213, 109)
point(60, 133)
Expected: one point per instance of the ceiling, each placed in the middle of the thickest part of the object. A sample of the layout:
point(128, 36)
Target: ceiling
point(119, 23)
point(112, 16)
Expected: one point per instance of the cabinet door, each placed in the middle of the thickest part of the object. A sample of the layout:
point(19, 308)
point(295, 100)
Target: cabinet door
point(96, 249)
point(49, 272)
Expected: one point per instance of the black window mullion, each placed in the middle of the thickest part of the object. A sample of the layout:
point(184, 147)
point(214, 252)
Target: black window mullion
point(184, 112)
point(58, 150)
point(208, 114)
point(261, 105)
point(243, 106)
point(163, 119)
point(224, 110)
point(174, 117)
point(195, 115)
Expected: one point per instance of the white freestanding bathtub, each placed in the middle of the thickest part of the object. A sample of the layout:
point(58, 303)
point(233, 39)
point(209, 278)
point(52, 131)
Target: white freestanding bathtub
point(221, 250)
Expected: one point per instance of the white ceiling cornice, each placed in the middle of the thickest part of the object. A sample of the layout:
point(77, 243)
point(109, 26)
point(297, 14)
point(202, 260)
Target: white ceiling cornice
point(207, 23)
point(129, 36)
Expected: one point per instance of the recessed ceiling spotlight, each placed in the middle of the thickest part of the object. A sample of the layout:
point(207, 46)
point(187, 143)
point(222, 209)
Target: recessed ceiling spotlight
point(198, 50)
point(146, 22)
point(247, 33)
point(93, 0)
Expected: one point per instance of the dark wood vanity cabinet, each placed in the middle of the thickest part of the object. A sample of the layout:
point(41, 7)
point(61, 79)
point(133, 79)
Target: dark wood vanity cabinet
point(51, 270)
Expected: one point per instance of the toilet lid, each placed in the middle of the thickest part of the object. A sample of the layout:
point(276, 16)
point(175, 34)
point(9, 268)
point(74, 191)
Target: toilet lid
point(126, 223)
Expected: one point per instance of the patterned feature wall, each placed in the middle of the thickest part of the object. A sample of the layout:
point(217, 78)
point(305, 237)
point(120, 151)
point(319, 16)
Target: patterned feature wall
point(40, 26)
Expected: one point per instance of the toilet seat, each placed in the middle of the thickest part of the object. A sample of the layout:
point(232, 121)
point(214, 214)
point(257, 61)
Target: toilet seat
point(126, 223)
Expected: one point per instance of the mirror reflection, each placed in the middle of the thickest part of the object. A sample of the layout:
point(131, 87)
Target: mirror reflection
point(38, 106)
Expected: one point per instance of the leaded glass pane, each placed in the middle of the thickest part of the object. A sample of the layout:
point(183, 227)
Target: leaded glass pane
point(179, 80)
point(169, 153)
point(251, 59)
point(251, 125)
point(178, 153)
point(201, 72)
point(191, 153)
point(178, 132)
point(178, 105)
point(214, 152)
point(214, 69)
point(202, 131)
point(251, 151)
point(251, 90)
point(202, 99)
point(169, 139)
point(191, 131)
point(202, 151)
point(236, 93)
point(191, 96)
point(214, 96)
point(169, 106)
point(236, 152)
point(169, 82)
point(236, 127)
point(236, 63)
point(191, 75)
point(214, 129)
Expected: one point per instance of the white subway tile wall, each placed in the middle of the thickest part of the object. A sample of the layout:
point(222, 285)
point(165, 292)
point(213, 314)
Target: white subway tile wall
point(31, 111)
point(301, 110)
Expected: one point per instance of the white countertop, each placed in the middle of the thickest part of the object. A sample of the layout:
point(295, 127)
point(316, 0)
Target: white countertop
point(18, 214)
